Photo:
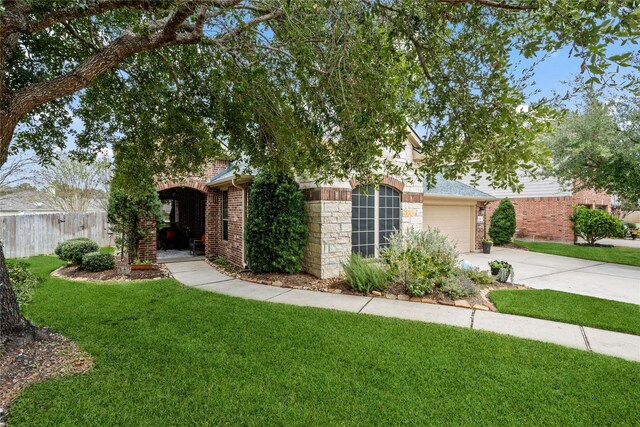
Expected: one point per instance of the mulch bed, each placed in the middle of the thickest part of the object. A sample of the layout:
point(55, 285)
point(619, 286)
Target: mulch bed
point(23, 363)
point(122, 271)
point(339, 285)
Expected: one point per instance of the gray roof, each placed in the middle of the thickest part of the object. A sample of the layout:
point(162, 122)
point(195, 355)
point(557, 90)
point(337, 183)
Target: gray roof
point(446, 187)
point(240, 166)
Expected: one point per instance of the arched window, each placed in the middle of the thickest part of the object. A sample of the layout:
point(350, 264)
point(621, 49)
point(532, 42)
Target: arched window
point(375, 214)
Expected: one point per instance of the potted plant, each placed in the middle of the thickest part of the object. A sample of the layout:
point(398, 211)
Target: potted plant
point(505, 274)
point(497, 265)
point(486, 246)
point(137, 264)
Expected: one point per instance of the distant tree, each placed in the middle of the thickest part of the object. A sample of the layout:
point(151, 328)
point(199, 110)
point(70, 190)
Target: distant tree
point(598, 147)
point(74, 186)
point(15, 172)
point(503, 223)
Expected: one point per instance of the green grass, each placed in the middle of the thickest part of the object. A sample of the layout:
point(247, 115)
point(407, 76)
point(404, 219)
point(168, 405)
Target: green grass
point(569, 308)
point(616, 254)
point(170, 355)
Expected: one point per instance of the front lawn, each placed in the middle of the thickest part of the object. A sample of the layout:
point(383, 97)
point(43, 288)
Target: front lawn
point(169, 355)
point(569, 308)
point(616, 254)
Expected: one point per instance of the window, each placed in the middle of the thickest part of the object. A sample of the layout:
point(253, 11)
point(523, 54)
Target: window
point(363, 221)
point(389, 214)
point(225, 215)
point(375, 215)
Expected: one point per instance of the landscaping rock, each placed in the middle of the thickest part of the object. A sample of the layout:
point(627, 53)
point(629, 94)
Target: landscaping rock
point(480, 307)
point(390, 296)
point(404, 297)
point(277, 283)
point(415, 299)
point(462, 303)
point(445, 302)
point(376, 293)
point(428, 300)
point(337, 291)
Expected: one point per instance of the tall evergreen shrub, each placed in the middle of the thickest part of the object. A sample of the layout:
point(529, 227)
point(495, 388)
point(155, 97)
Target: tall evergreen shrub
point(276, 232)
point(503, 223)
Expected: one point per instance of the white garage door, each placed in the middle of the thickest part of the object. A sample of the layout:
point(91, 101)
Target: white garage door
point(453, 221)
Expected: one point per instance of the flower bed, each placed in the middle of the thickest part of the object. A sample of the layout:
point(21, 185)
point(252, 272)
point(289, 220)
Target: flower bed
point(122, 271)
point(339, 285)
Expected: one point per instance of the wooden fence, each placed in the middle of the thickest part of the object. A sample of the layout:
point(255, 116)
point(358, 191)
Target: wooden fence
point(38, 234)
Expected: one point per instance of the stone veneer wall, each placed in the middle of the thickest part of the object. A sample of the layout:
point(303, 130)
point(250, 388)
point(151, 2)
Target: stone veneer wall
point(412, 208)
point(329, 223)
point(547, 218)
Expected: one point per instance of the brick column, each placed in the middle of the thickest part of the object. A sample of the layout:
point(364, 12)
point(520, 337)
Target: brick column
point(212, 223)
point(147, 246)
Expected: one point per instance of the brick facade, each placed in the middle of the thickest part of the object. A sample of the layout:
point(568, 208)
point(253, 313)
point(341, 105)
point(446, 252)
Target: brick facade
point(547, 218)
point(147, 246)
point(233, 248)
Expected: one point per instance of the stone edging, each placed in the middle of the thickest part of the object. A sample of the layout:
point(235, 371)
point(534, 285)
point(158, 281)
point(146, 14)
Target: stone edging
point(485, 306)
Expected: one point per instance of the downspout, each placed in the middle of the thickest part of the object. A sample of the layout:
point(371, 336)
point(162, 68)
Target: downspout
point(233, 182)
point(484, 213)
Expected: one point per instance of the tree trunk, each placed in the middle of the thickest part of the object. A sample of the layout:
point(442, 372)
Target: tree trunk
point(12, 322)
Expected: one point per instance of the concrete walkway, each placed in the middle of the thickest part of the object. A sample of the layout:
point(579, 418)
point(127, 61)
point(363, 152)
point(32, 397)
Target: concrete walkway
point(579, 276)
point(200, 275)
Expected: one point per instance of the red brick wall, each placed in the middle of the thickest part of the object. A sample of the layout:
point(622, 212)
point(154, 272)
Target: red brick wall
point(147, 247)
point(547, 218)
point(233, 248)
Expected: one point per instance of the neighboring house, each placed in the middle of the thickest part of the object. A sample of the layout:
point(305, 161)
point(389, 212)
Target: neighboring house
point(543, 207)
point(343, 216)
point(34, 201)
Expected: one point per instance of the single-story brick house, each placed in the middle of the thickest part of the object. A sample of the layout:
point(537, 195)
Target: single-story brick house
point(543, 207)
point(342, 217)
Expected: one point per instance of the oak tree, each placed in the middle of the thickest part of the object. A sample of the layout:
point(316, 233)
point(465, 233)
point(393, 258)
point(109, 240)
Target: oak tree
point(311, 87)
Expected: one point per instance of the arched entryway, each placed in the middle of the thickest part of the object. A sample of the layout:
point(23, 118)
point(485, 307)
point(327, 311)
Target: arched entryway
point(184, 211)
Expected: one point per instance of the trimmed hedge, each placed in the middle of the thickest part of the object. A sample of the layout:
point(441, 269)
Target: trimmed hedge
point(594, 224)
point(503, 223)
point(276, 232)
point(95, 261)
point(58, 250)
point(74, 250)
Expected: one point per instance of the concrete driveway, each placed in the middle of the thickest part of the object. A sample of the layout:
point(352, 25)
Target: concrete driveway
point(542, 271)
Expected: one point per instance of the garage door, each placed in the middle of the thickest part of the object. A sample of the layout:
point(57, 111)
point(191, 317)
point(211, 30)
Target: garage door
point(453, 221)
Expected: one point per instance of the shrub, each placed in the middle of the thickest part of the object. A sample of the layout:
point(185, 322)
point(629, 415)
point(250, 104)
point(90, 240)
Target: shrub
point(23, 281)
point(420, 259)
point(594, 224)
point(276, 232)
point(74, 250)
point(458, 287)
point(58, 249)
point(130, 210)
point(503, 223)
point(365, 275)
point(630, 225)
point(95, 261)
point(476, 275)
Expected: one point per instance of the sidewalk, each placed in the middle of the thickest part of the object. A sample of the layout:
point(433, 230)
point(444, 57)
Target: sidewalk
point(199, 274)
